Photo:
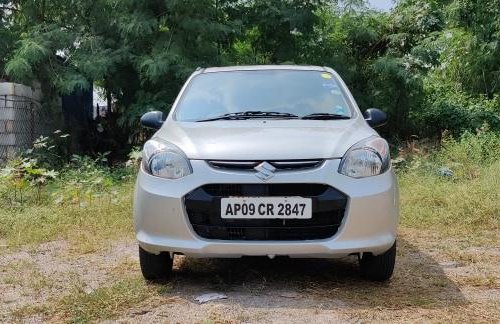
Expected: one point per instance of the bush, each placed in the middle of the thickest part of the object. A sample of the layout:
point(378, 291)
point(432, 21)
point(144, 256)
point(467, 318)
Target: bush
point(23, 173)
point(32, 177)
point(453, 189)
point(456, 112)
point(455, 158)
point(82, 200)
point(482, 147)
point(466, 155)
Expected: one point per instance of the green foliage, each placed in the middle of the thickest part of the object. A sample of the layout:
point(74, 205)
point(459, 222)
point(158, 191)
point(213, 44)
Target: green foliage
point(7, 37)
point(398, 90)
point(461, 208)
point(44, 174)
point(432, 65)
point(84, 197)
point(20, 67)
point(23, 173)
point(467, 154)
point(49, 151)
point(33, 169)
point(457, 112)
point(134, 157)
point(461, 202)
point(86, 225)
point(464, 157)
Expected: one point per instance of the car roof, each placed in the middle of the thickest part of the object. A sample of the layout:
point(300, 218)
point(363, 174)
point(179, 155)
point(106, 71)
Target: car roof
point(262, 67)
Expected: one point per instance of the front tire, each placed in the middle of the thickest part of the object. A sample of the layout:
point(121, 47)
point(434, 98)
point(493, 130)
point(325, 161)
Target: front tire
point(155, 267)
point(378, 267)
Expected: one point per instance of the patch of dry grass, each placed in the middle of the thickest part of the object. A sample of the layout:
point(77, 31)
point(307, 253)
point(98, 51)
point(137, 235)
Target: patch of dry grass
point(79, 306)
point(25, 274)
point(105, 302)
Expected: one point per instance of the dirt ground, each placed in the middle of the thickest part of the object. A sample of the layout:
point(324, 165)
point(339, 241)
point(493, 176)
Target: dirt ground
point(435, 280)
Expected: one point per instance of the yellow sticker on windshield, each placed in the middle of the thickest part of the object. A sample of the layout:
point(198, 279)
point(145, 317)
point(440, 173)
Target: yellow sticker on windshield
point(326, 75)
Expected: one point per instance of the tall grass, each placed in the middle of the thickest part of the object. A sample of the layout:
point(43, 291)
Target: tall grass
point(85, 224)
point(466, 203)
point(89, 204)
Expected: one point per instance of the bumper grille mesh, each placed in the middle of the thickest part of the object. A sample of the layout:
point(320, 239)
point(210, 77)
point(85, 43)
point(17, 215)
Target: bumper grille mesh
point(203, 209)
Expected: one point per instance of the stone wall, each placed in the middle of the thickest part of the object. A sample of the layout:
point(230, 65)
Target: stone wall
point(20, 121)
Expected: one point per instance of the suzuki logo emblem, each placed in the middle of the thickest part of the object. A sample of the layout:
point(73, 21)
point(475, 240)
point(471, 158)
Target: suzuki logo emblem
point(265, 171)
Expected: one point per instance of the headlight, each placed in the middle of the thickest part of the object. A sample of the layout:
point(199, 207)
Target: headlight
point(367, 158)
point(165, 160)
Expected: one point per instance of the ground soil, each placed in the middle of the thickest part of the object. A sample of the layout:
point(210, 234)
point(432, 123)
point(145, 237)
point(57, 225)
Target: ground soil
point(435, 280)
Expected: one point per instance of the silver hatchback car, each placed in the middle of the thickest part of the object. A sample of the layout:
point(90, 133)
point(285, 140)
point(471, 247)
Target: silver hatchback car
point(266, 161)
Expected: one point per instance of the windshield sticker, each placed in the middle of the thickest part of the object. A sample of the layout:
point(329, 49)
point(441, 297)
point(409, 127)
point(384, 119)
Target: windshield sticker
point(329, 85)
point(339, 110)
point(327, 76)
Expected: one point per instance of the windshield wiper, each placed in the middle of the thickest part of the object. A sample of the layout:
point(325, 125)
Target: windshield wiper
point(251, 114)
point(325, 116)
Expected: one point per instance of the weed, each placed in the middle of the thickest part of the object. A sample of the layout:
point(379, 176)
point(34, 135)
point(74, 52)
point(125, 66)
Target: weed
point(106, 302)
point(22, 173)
point(86, 226)
point(467, 207)
point(465, 203)
point(446, 215)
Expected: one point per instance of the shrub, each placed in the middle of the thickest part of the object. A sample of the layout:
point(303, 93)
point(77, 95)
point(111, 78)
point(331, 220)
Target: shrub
point(472, 150)
point(22, 173)
point(454, 189)
point(456, 112)
point(50, 151)
point(464, 156)
point(31, 178)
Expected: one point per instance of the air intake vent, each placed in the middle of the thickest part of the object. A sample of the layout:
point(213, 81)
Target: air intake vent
point(203, 207)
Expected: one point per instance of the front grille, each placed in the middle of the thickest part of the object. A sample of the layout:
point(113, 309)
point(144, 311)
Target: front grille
point(268, 190)
point(203, 209)
point(284, 165)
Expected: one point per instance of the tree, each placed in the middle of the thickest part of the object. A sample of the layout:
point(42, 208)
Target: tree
point(412, 62)
point(8, 34)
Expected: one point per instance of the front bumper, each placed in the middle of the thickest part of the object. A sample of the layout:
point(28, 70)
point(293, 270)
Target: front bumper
point(369, 223)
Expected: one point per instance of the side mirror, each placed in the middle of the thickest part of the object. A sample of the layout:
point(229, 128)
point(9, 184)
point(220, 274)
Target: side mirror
point(152, 119)
point(375, 117)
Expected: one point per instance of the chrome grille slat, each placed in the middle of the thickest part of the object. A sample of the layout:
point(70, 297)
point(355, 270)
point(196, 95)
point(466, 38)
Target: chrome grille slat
point(280, 165)
point(233, 165)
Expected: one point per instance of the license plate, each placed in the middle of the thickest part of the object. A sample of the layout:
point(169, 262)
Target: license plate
point(266, 207)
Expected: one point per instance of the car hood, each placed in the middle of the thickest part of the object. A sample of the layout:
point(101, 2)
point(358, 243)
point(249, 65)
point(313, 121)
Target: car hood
point(265, 139)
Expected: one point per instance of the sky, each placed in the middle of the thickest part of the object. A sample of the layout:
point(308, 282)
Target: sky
point(384, 5)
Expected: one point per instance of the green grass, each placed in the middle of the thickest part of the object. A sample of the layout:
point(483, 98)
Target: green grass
point(468, 208)
point(463, 207)
point(443, 211)
point(105, 302)
point(466, 204)
point(86, 226)
point(108, 302)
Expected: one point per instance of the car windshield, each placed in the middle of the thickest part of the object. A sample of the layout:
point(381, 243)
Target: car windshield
point(277, 94)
